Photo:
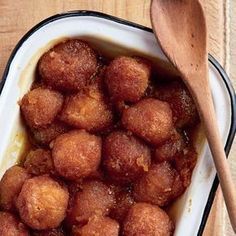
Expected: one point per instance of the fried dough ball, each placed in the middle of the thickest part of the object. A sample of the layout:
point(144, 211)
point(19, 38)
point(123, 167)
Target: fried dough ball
point(98, 226)
point(44, 136)
point(160, 186)
point(68, 66)
point(127, 78)
point(76, 154)
point(150, 119)
point(10, 186)
point(87, 110)
point(11, 226)
point(125, 157)
point(42, 203)
point(76, 186)
point(149, 220)
point(170, 148)
point(185, 163)
point(96, 198)
point(40, 107)
point(181, 102)
point(50, 232)
point(39, 162)
point(124, 200)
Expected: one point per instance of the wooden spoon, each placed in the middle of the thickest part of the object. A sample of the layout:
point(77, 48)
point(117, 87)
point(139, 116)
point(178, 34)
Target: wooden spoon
point(180, 28)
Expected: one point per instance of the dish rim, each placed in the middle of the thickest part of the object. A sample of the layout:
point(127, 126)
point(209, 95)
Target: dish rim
point(211, 59)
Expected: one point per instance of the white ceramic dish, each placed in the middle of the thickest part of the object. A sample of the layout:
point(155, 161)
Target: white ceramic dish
point(191, 210)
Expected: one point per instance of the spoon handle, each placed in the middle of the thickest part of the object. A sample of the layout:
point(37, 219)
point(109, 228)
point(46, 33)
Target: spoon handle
point(202, 95)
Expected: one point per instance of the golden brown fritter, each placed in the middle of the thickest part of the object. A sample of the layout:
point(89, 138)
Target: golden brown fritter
point(42, 203)
point(76, 154)
point(170, 148)
point(88, 110)
point(149, 220)
point(44, 136)
point(11, 226)
point(40, 107)
point(68, 66)
point(39, 162)
point(160, 186)
point(96, 198)
point(98, 226)
point(150, 119)
point(125, 157)
point(127, 78)
point(181, 102)
point(10, 186)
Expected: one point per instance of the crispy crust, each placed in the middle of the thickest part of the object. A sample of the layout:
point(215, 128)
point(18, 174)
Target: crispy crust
point(40, 107)
point(181, 102)
point(150, 119)
point(88, 110)
point(96, 198)
point(10, 186)
point(98, 225)
point(68, 66)
point(76, 154)
point(146, 219)
point(125, 157)
point(160, 186)
point(11, 226)
point(42, 203)
point(127, 78)
point(39, 162)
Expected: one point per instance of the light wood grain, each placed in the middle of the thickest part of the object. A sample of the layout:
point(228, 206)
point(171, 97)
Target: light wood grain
point(17, 17)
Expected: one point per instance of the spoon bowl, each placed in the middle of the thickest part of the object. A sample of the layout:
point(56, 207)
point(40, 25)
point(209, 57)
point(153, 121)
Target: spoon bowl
point(184, 39)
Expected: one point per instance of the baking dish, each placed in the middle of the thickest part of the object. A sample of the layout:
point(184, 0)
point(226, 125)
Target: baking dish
point(191, 210)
